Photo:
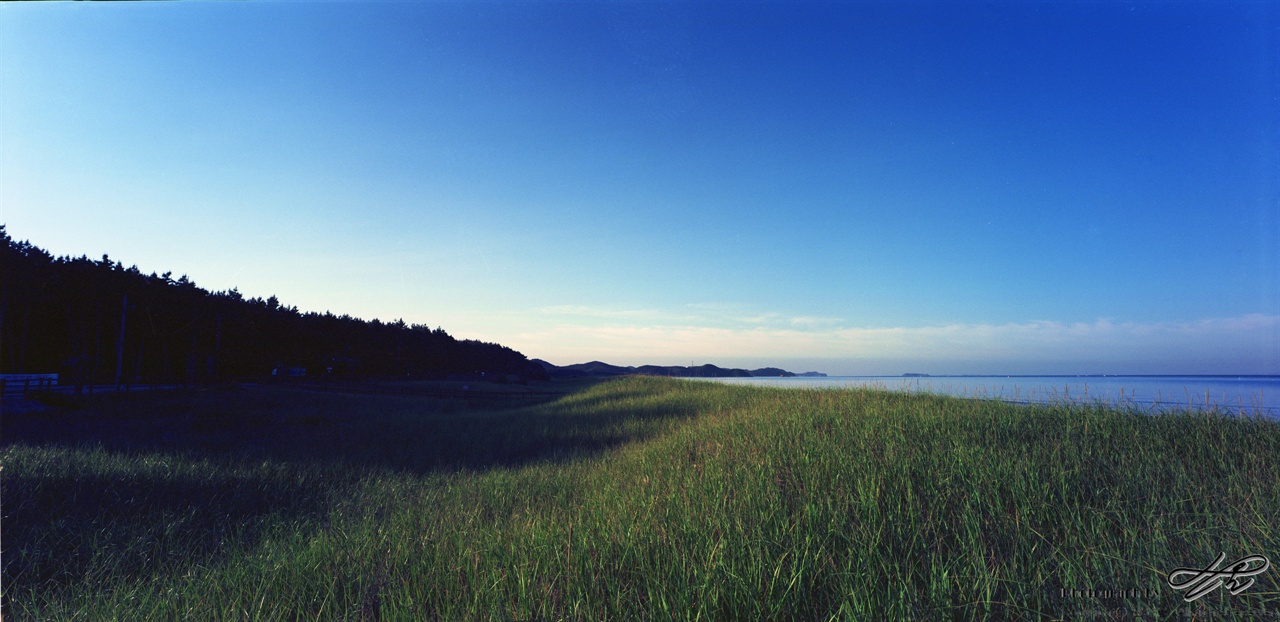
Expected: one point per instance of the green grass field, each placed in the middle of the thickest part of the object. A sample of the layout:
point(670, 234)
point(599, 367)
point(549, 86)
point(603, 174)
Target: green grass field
point(632, 499)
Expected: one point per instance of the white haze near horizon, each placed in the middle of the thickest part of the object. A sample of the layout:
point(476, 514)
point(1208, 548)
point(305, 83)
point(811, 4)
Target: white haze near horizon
point(1248, 345)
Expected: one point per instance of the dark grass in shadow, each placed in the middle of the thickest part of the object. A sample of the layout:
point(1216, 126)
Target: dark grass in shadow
point(402, 433)
point(143, 484)
point(69, 515)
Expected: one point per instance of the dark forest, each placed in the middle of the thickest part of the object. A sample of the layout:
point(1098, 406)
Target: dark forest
point(96, 321)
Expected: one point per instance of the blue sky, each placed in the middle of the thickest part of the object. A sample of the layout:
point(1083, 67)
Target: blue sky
point(857, 188)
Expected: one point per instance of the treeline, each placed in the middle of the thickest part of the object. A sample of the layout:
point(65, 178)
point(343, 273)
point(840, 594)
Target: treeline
point(99, 322)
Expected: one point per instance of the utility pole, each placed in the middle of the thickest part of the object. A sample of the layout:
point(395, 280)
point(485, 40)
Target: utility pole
point(124, 311)
point(217, 349)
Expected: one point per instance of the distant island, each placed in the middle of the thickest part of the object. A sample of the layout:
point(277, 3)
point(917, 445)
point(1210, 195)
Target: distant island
point(597, 369)
point(914, 375)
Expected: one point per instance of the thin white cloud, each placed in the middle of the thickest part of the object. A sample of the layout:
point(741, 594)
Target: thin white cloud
point(695, 315)
point(604, 312)
point(814, 321)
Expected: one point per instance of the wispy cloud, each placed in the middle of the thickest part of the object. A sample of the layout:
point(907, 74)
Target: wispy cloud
point(723, 315)
point(812, 321)
point(601, 312)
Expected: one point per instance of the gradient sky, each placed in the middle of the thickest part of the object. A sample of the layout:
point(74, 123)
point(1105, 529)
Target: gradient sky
point(856, 188)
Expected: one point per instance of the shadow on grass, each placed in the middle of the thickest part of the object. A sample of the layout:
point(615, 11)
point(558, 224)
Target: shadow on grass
point(71, 517)
point(146, 484)
point(401, 433)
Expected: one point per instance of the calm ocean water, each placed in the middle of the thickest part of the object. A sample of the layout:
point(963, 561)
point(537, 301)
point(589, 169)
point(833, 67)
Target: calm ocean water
point(1238, 394)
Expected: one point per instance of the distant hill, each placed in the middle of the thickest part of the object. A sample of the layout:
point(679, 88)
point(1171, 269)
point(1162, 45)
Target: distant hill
point(598, 369)
point(771, 372)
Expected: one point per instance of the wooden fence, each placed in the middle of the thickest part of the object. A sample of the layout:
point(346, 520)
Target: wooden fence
point(23, 388)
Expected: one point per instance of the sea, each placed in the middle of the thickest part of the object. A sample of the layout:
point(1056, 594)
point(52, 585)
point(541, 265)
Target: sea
point(1237, 395)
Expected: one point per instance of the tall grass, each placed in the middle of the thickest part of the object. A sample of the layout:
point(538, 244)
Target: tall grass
point(639, 498)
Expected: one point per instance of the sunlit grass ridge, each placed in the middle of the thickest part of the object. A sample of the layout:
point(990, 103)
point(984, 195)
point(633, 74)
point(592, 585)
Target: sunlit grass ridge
point(646, 498)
